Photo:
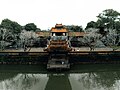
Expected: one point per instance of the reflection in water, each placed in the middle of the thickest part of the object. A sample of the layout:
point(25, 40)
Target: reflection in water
point(25, 82)
point(100, 79)
point(95, 81)
point(58, 82)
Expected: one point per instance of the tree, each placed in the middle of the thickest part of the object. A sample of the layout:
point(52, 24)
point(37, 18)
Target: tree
point(30, 27)
point(117, 26)
point(27, 39)
point(91, 24)
point(16, 27)
point(108, 18)
point(11, 25)
point(6, 23)
point(74, 28)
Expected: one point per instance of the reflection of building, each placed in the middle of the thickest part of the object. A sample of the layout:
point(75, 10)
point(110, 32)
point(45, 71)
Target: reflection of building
point(70, 81)
point(74, 81)
point(58, 82)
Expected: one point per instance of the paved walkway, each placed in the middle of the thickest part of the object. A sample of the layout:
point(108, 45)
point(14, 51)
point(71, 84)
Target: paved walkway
point(22, 50)
point(95, 49)
point(42, 49)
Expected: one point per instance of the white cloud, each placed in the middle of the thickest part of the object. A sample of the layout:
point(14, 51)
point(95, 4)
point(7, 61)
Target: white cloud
point(46, 13)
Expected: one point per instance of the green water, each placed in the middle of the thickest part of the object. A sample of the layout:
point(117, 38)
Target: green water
point(80, 77)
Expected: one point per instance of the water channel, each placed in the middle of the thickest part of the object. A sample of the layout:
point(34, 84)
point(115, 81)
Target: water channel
point(80, 77)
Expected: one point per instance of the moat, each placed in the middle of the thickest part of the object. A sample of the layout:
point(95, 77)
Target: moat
point(80, 77)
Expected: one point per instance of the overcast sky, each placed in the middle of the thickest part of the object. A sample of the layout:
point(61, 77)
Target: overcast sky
point(46, 13)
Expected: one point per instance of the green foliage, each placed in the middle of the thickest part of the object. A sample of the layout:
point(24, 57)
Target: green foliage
point(117, 26)
point(6, 23)
point(38, 29)
point(74, 28)
point(108, 18)
point(11, 25)
point(30, 27)
point(91, 24)
point(109, 14)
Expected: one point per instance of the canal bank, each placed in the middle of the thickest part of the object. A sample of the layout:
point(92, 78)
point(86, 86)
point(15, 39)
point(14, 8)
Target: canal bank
point(78, 56)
